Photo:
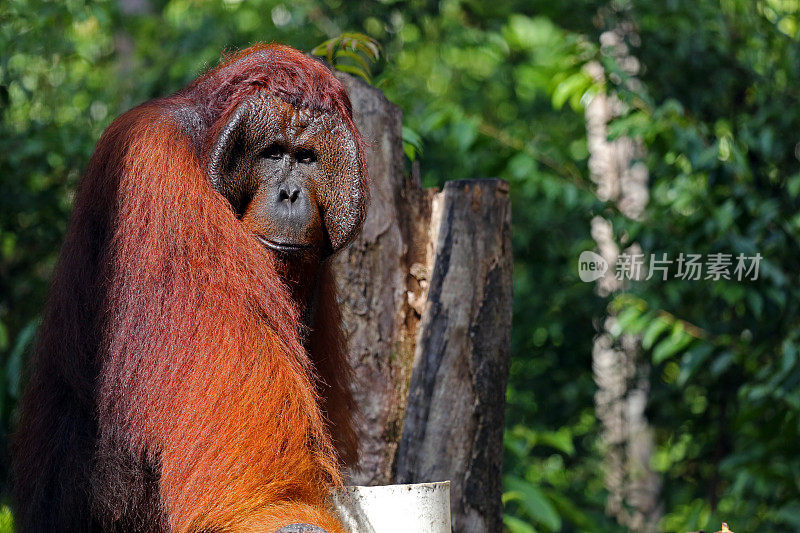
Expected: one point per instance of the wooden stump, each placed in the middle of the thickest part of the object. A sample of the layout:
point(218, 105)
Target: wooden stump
point(454, 420)
point(426, 292)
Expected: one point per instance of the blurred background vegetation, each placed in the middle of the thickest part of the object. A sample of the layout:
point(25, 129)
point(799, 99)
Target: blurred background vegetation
point(499, 89)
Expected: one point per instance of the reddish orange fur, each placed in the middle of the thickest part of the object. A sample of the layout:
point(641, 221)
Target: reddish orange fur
point(166, 305)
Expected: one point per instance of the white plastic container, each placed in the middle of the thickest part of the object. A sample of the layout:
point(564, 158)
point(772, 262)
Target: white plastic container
point(418, 508)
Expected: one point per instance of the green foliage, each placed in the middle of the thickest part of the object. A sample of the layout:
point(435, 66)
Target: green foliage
point(412, 143)
point(351, 52)
point(535, 505)
point(717, 109)
point(497, 89)
point(54, 99)
point(543, 475)
point(6, 519)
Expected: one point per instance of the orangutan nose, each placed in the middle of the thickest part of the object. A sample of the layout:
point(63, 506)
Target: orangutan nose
point(292, 203)
point(288, 194)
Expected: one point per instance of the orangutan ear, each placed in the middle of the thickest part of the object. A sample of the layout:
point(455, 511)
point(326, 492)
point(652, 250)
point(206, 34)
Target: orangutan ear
point(344, 185)
point(222, 154)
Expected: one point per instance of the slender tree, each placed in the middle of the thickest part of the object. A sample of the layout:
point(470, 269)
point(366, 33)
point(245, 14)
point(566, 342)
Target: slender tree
point(622, 377)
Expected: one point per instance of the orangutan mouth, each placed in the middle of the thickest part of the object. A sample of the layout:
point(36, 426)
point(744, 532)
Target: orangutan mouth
point(283, 247)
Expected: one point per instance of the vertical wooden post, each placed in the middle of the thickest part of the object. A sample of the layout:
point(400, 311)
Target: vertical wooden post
point(374, 282)
point(426, 290)
point(456, 408)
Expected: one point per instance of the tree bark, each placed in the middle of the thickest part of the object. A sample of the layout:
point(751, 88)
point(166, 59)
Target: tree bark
point(376, 285)
point(455, 417)
point(426, 293)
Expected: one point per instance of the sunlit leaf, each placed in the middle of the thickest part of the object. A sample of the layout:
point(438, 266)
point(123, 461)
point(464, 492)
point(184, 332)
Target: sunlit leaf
point(515, 525)
point(535, 503)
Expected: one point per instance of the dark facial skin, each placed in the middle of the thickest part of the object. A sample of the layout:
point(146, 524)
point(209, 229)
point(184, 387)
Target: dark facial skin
point(292, 176)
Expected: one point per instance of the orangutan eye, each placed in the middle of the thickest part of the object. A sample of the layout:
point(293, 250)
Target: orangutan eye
point(274, 151)
point(306, 156)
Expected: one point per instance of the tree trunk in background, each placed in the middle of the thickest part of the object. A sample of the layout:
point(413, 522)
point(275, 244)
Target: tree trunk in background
point(426, 293)
point(622, 377)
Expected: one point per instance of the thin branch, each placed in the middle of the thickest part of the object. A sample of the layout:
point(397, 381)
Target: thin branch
point(567, 172)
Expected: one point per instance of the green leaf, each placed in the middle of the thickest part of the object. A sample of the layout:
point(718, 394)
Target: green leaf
point(653, 331)
point(357, 47)
point(326, 49)
point(668, 347)
point(692, 361)
point(6, 519)
point(569, 511)
point(412, 143)
point(560, 440)
point(362, 63)
point(575, 84)
point(627, 317)
point(410, 151)
point(3, 336)
point(363, 41)
point(535, 503)
point(320, 49)
point(351, 69)
point(721, 363)
point(515, 525)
